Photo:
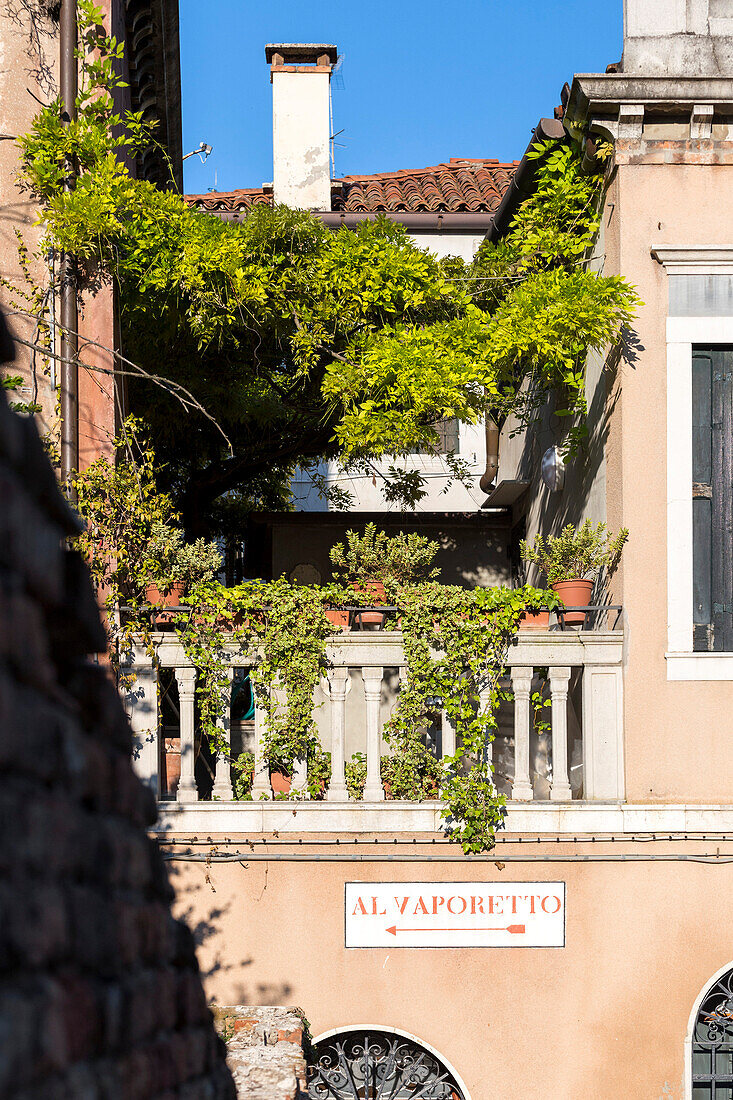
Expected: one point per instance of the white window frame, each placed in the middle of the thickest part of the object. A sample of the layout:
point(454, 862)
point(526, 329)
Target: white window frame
point(682, 333)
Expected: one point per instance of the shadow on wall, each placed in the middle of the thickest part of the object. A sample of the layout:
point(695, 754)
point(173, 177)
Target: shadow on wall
point(208, 921)
point(585, 491)
point(474, 547)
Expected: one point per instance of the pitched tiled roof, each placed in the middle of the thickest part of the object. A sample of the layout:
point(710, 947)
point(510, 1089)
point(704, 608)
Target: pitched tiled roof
point(459, 186)
point(241, 199)
point(474, 186)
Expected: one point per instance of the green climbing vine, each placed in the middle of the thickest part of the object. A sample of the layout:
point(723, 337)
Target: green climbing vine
point(349, 344)
point(303, 343)
point(455, 641)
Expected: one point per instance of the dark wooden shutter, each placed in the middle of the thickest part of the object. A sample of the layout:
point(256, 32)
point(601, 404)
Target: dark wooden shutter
point(712, 498)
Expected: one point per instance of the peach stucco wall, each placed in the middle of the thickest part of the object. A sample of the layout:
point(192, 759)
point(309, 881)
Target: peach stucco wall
point(28, 68)
point(98, 415)
point(603, 1018)
point(678, 736)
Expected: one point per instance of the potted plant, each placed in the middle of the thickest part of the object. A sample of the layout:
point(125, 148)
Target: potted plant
point(283, 748)
point(573, 560)
point(244, 767)
point(171, 567)
point(334, 595)
point(415, 779)
point(319, 774)
point(367, 562)
point(539, 605)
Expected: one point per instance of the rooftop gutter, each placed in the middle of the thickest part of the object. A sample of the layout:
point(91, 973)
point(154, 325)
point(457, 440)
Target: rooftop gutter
point(421, 221)
point(427, 221)
point(547, 129)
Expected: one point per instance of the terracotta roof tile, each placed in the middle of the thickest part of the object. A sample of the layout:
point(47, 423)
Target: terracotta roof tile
point(241, 199)
point(460, 185)
point(474, 186)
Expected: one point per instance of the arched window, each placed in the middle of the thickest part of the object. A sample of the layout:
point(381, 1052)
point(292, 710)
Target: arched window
point(370, 1064)
point(712, 1042)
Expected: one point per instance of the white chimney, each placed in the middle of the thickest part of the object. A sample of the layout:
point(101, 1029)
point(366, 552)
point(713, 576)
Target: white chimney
point(678, 38)
point(300, 73)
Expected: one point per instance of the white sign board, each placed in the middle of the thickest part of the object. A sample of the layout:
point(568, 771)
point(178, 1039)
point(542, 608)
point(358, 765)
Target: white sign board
point(454, 914)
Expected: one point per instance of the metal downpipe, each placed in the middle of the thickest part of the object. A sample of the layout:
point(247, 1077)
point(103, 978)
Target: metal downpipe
point(69, 388)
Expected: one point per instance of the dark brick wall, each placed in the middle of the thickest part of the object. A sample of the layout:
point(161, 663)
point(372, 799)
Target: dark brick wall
point(100, 994)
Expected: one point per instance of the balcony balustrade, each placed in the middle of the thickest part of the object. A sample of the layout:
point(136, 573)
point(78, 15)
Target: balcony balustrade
point(568, 752)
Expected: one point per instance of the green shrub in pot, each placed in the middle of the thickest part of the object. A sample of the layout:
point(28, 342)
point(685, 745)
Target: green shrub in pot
point(574, 559)
point(377, 556)
point(170, 563)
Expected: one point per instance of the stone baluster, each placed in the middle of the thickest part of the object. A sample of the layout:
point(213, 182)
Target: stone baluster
point(372, 677)
point(447, 735)
point(338, 683)
point(222, 789)
point(560, 790)
point(186, 680)
point(300, 775)
point(521, 686)
point(141, 704)
point(485, 705)
point(261, 776)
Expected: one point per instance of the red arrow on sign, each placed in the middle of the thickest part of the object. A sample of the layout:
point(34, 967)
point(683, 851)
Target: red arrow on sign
point(512, 929)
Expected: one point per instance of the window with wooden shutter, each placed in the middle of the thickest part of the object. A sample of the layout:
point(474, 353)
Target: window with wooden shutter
point(712, 498)
point(448, 439)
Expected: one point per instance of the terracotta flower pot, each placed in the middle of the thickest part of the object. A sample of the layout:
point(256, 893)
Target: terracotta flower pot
point(280, 782)
point(170, 597)
point(338, 618)
point(232, 622)
point(375, 591)
point(170, 767)
point(574, 593)
point(535, 620)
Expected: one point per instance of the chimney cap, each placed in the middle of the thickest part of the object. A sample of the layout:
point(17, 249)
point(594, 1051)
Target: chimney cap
point(300, 53)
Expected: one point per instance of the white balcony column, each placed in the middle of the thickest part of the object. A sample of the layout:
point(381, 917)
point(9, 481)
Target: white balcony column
point(141, 703)
point(485, 706)
point(261, 776)
point(338, 683)
point(372, 677)
point(186, 680)
point(222, 789)
point(447, 735)
point(559, 679)
point(300, 776)
point(603, 742)
point(521, 686)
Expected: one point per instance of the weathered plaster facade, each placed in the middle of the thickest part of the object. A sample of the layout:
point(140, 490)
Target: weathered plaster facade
point(29, 73)
point(647, 869)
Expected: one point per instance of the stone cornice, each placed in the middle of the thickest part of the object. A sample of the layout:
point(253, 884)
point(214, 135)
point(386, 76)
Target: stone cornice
point(603, 94)
point(178, 821)
point(703, 259)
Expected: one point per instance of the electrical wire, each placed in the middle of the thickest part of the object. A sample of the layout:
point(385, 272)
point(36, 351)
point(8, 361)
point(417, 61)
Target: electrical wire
point(379, 857)
point(554, 838)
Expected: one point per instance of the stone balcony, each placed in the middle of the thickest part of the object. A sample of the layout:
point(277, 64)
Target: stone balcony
point(574, 763)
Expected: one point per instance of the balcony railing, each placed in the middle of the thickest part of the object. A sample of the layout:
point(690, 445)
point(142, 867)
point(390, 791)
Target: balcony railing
point(574, 754)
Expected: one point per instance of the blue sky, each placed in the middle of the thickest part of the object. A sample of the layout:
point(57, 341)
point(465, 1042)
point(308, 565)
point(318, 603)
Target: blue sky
point(421, 80)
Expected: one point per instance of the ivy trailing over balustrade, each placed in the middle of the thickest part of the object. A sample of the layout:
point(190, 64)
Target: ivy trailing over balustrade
point(455, 643)
point(455, 640)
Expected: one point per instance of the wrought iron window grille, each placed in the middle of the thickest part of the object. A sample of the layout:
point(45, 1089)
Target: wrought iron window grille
point(374, 1065)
